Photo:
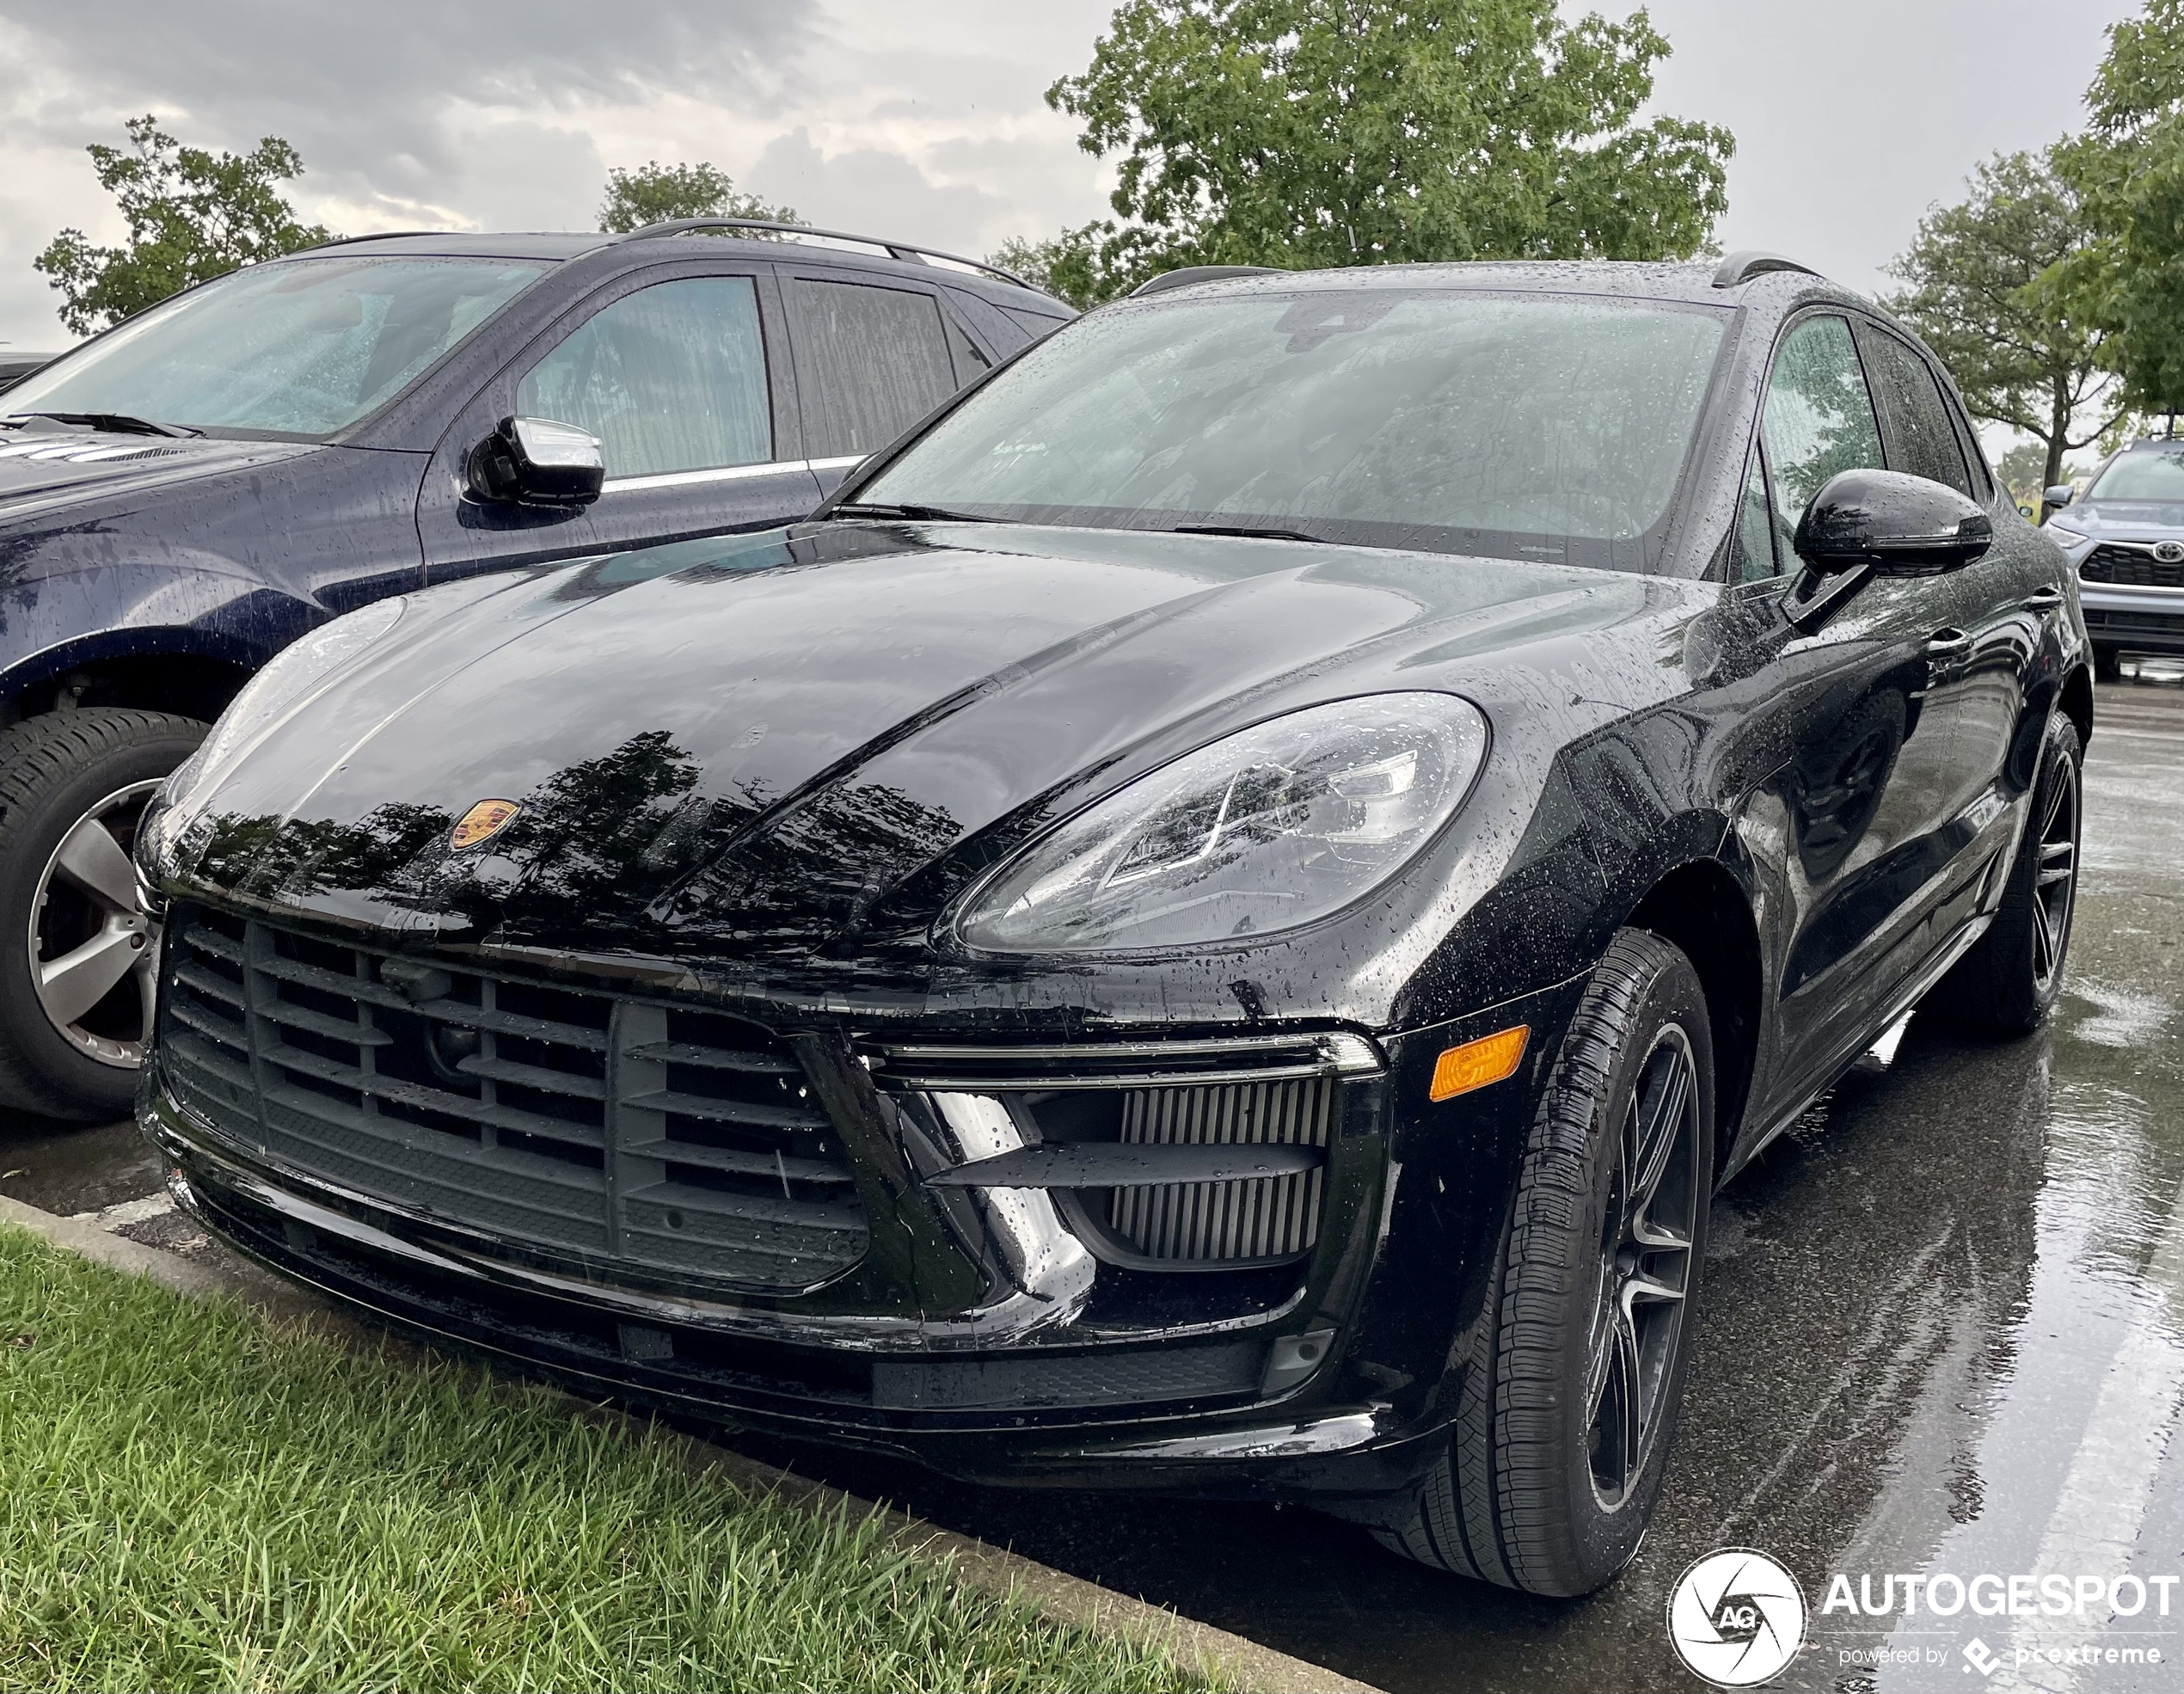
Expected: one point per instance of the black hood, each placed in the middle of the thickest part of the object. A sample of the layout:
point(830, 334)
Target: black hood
point(810, 740)
point(41, 468)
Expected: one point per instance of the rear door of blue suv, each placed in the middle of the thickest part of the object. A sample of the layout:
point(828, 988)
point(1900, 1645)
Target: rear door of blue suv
point(185, 494)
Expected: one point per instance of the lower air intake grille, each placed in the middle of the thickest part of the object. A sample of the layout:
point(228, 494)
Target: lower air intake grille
point(612, 1130)
point(1260, 1219)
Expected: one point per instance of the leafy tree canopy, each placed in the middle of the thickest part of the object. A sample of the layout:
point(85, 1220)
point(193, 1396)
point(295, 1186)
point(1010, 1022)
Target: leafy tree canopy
point(192, 215)
point(2128, 169)
point(654, 192)
point(2021, 355)
point(1312, 132)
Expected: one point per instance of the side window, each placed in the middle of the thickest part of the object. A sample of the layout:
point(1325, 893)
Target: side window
point(1818, 419)
point(1913, 420)
point(672, 377)
point(870, 362)
point(1755, 536)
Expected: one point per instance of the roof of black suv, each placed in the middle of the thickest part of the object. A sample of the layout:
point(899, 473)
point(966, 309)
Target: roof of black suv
point(555, 246)
point(1709, 282)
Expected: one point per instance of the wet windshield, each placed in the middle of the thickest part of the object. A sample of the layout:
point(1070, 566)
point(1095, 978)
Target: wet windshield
point(302, 348)
point(1524, 426)
point(2144, 474)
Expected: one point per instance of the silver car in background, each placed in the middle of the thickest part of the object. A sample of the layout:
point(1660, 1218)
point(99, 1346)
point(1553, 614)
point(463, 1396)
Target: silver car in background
point(2125, 535)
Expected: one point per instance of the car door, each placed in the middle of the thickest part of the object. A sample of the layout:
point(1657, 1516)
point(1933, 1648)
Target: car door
point(1860, 803)
point(1997, 610)
point(873, 354)
point(681, 372)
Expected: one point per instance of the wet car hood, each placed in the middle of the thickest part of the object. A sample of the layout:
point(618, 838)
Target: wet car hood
point(2147, 518)
point(813, 738)
point(42, 468)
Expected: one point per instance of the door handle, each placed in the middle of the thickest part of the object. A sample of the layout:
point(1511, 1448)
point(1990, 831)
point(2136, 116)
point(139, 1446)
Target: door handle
point(2044, 599)
point(1947, 643)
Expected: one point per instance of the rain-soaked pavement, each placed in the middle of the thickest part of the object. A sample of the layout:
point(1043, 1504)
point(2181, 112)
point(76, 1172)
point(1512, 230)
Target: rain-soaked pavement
point(1943, 1332)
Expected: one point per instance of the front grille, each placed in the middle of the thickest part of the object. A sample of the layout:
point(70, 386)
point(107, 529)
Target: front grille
point(1257, 1219)
point(611, 1130)
point(2128, 567)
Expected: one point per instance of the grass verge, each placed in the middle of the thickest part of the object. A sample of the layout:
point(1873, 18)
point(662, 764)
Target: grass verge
point(193, 1499)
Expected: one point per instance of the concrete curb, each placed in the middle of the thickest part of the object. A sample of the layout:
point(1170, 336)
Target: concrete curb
point(990, 1570)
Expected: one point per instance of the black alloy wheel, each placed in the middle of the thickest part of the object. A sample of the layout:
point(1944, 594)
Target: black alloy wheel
point(2010, 979)
point(76, 972)
point(1567, 1392)
point(1645, 1267)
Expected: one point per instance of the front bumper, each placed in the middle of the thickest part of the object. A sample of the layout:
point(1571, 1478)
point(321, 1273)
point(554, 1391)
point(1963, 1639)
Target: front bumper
point(990, 1332)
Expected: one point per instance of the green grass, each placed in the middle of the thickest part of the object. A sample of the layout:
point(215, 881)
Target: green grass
point(191, 1498)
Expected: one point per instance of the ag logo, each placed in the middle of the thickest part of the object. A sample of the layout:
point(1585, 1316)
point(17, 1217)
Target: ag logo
point(482, 822)
point(1736, 1617)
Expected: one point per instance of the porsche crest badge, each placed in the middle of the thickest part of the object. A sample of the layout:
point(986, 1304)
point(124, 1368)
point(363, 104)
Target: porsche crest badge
point(482, 822)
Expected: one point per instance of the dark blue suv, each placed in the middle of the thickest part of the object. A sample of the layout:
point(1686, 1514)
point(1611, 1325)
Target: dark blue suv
point(185, 494)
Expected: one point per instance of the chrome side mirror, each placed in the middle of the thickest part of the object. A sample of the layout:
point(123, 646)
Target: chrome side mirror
point(538, 462)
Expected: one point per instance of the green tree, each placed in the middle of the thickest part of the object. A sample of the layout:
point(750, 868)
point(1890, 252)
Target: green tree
point(2020, 354)
point(2128, 169)
point(192, 215)
point(1062, 264)
point(1310, 132)
point(654, 193)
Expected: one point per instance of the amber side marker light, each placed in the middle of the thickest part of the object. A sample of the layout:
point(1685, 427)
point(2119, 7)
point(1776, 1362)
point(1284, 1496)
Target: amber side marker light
point(1488, 1060)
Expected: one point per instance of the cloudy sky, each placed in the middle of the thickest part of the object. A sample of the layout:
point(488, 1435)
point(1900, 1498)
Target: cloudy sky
point(918, 119)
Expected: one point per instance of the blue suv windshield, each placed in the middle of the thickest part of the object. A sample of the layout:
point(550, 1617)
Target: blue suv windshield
point(1530, 427)
point(302, 348)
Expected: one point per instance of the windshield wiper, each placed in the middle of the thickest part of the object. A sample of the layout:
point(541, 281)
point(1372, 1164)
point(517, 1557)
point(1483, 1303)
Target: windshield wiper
point(1253, 531)
point(929, 514)
point(113, 423)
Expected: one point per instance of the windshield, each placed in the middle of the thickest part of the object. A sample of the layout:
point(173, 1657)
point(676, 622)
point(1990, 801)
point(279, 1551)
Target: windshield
point(1525, 426)
point(2144, 474)
point(301, 348)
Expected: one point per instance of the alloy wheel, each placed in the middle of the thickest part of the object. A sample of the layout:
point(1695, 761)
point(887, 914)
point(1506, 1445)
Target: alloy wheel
point(2055, 885)
point(93, 954)
point(1644, 1266)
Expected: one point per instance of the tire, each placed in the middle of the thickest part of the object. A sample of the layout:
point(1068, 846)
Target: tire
point(59, 774)
point(1518, 1497)
point(2008, 981)
point(2108, 664)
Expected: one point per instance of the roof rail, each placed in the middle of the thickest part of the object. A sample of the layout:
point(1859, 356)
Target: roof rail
point(376, 235)
point(1190, 273)
point(895, 250)
point(1742, 266)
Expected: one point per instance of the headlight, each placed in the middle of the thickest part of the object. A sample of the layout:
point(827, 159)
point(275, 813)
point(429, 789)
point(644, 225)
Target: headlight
point(285, 680)
point(1261, 832)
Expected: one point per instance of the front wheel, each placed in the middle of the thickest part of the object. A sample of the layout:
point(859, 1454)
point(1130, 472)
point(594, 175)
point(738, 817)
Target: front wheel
point(76, 956)
point(1571, 1383)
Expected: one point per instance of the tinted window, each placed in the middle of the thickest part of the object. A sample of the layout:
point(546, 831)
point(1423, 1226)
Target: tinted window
point(2143, 473)
point(1530, 427)
point(1912, 416)
point(870, 362)
point(1755, 541)
point(672, 378)
point(305, 347)
point(1818, 419)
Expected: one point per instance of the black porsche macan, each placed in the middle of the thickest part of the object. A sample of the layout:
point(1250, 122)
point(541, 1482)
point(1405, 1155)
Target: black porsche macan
point(1211, 923)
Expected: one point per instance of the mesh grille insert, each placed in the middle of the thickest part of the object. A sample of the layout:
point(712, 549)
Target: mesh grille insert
point(2128, 567)
point(616, 1131)
point(1259, 1218)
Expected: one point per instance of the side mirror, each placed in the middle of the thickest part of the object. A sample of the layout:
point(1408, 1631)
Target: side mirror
point(1869, 523)
point(537, 462)
point(2061, 494)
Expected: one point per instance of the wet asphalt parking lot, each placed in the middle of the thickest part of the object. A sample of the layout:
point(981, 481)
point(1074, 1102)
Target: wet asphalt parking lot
point(1942, 1330)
